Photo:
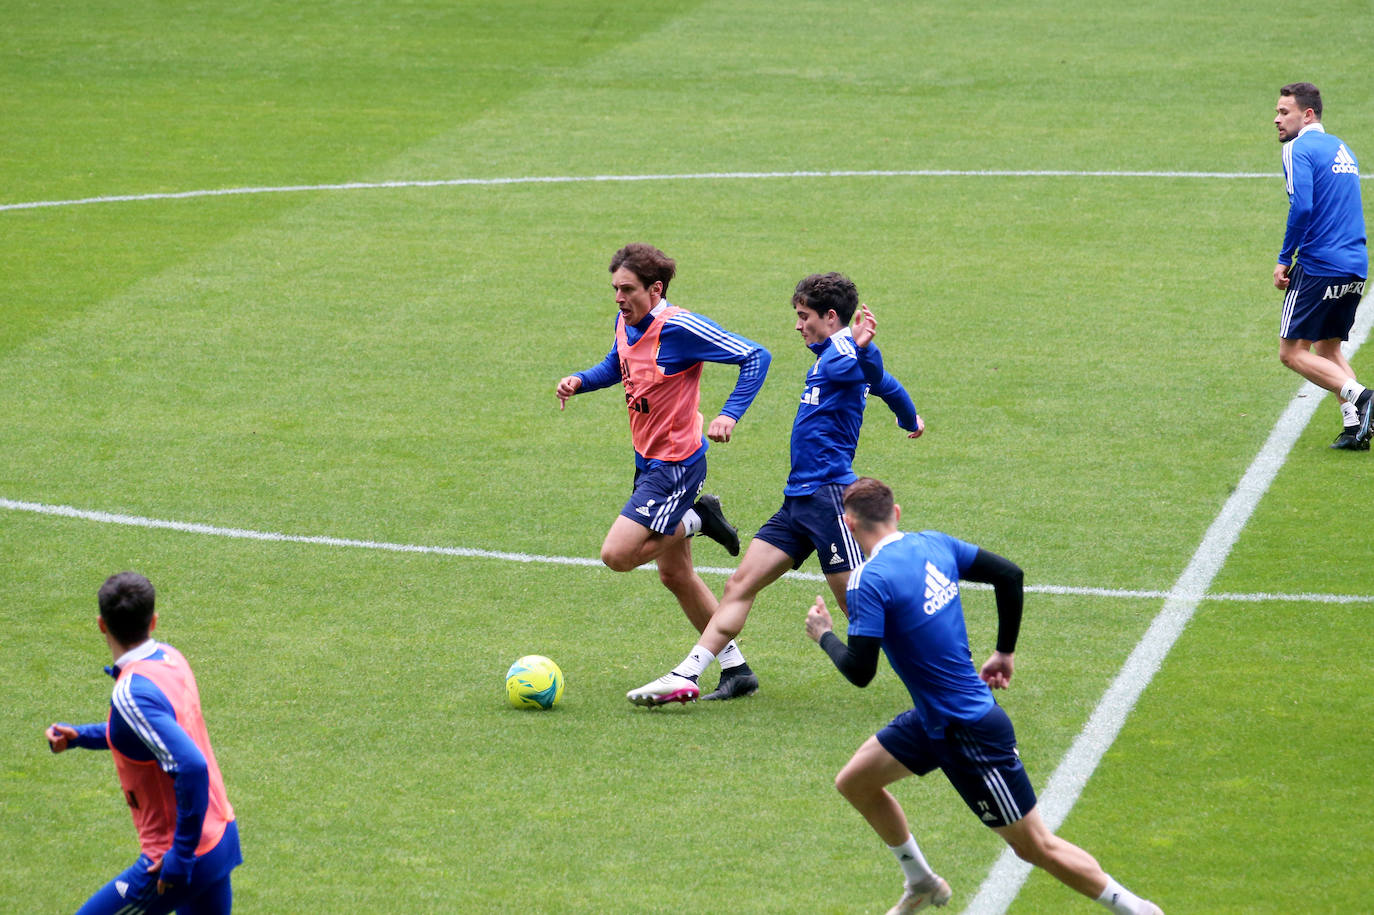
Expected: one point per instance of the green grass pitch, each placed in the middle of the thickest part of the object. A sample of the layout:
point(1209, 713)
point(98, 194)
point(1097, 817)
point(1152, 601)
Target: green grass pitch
point(1093, 351)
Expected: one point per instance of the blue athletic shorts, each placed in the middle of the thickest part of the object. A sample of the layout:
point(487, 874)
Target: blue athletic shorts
point(134, 892)
point(814, 523)
point(1319, 307)
point(663, 493)
point(979, 758)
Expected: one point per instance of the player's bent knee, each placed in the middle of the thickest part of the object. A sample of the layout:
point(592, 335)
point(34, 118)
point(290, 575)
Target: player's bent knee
point(849, 786)
point(1029, 850)
point(617, 561)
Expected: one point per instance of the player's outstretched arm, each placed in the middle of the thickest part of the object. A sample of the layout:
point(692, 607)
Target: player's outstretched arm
point(567, 387)
point(602, 375)
point(62, 736)
point(857, 661)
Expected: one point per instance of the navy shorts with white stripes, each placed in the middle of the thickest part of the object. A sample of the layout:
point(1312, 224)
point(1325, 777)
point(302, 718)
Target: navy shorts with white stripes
point(663, 493)
point(979, 758)
point(813, 523)
point(1319, 307)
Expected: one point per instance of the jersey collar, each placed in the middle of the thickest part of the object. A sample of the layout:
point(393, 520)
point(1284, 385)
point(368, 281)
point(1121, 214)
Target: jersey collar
point(821, 347)
point(890, 538)
point(1316, 125)
point(648, 319)
point(140, 651)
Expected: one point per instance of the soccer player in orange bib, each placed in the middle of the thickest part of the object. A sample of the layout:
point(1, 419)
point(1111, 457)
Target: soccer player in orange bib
point(657, 355)
point(167, 770)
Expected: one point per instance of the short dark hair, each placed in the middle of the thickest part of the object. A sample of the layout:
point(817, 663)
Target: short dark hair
point(1306, 95)
point(646, 262)
point(126, 606)
point(823, 292)
point(868, 501)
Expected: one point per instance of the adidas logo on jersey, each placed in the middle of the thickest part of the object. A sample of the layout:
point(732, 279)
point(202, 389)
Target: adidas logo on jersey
point(939, 590)
point(1345, 163)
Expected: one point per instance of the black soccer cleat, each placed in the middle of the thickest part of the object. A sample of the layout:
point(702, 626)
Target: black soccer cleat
point(1364, 413)
point(734, 683)
point(714, 525)
point(1349, 440)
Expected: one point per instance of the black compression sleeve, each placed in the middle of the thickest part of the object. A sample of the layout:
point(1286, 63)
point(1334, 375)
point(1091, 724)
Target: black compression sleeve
point(1008, 584)
point(858, 660)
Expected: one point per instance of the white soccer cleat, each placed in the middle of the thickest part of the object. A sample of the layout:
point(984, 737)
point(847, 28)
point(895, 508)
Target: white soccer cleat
point(667, 688)
point(915, 897)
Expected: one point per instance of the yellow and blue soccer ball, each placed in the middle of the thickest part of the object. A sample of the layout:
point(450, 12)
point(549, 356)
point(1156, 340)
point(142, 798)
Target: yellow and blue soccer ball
point(534, 682)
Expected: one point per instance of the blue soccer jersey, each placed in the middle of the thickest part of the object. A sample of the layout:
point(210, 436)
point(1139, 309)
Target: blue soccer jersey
point(920, 620)
point(1325, 216)
point(825, 433)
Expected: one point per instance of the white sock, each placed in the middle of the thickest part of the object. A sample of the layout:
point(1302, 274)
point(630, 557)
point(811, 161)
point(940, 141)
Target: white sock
point(1349, 415)
point(691, 522)
point(1351, 391)
point(913, 863)
point(730, 656)
point(1121, 900)
point(698, 660)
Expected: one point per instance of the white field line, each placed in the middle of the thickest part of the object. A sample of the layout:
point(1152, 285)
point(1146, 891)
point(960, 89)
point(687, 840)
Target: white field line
point(590, 179)
point(237, 533)
point(1007, 876)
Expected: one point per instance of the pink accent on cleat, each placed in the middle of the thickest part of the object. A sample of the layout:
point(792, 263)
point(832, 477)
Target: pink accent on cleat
point(668, 688)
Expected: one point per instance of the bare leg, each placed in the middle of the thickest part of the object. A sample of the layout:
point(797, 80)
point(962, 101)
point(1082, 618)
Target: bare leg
point(1331, 350)
point(629, 544)
point(1316, 367)
point(762, 565)
point(1033, 842)
point(678, 575)
point(838, 582)
point(863, 781)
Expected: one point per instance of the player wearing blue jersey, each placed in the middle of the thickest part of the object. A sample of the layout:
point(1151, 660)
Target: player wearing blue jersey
point(1324, 260)
point(905, 601)
point(186, 828)
point(657, 354)
point(825, 435)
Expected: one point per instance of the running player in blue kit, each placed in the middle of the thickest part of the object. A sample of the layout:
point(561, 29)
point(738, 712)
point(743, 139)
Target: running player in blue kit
point(905, 600)
point(1324, 261)
point(825, 435)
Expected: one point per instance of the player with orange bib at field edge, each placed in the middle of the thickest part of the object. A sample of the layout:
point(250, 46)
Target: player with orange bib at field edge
point(186, 828)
